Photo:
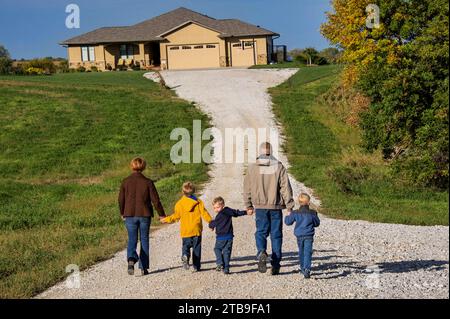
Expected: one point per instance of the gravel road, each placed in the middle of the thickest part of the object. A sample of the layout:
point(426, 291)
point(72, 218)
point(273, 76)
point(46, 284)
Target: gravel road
point(352, 259)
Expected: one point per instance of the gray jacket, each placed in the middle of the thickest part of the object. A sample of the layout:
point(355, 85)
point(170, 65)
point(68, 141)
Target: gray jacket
point(267, 186)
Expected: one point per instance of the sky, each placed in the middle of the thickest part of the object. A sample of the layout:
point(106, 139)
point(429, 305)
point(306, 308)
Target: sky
point(33, 28)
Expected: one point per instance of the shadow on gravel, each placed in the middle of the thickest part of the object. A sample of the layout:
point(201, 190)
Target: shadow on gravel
point(412, 265)
point(343, 269)
point(329, 270)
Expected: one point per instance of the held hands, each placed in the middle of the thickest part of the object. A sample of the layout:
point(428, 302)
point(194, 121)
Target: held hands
point(162, 219)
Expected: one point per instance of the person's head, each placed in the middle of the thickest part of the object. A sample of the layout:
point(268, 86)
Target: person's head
point(265, 148)
point(138, 164)
point(188, 189)
point(218, 204)
point(304, 199)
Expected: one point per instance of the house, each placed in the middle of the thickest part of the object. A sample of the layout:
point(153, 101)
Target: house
point(179, 39)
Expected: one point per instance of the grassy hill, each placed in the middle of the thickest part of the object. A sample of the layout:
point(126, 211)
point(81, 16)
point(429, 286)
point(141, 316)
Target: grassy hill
point(65, 145)
point(325, 154)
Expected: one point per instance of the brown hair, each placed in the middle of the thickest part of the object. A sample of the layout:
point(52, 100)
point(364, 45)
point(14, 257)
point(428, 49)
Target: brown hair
point(188, 189)
point(218, 200)
point(138, 164)
point(304, 199)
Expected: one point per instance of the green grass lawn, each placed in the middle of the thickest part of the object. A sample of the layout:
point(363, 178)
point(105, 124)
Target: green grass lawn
point(319, 143)
point(282, 65)
point(65, 145)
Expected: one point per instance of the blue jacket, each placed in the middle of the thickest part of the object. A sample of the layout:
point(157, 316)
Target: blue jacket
point(305, 221)
point(223, 222)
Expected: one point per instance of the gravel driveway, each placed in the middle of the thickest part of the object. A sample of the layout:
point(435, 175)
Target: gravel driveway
point(352, 259)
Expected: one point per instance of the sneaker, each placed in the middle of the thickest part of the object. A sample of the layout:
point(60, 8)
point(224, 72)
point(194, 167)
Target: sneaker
point(226, 271)
point(142, 273)
point(185, 261)
point(195, 269)
point(131, 268)
point(219, 268)
point(306, 273)
point(275, 271)
point(262, 262)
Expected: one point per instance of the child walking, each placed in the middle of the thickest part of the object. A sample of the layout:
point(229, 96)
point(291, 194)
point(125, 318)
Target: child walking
point(190, 210)
point(224, 233)
point(305, 220)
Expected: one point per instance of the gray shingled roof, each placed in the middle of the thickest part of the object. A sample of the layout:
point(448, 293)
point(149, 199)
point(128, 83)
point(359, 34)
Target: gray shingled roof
point(150, 30)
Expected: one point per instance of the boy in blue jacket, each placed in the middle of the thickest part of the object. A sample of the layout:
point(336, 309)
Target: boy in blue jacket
point(305, 221)
point(224, 233)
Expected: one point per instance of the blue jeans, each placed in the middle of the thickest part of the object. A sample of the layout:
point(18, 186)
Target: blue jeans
point(196, 244)
point(270, 222)
point(141, 226)
point(223, 249)
point(305, 249)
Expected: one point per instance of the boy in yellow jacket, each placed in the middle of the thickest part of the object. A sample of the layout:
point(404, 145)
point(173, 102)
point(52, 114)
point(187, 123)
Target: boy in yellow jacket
point(190, 210)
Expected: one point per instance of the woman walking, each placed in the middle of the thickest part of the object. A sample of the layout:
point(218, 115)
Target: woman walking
point(136, 196)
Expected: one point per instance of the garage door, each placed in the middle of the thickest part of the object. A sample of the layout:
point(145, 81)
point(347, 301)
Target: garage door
point(193, 56)
point(243, 53)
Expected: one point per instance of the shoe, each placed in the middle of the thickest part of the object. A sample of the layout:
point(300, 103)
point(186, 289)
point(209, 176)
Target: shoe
point(195, 269)
point(275, 271)
point(306, 274)
point(131, 268)
point(185, 261)
point(262, 262)
point(142, 273)
point(226, 271)
point(219, 268)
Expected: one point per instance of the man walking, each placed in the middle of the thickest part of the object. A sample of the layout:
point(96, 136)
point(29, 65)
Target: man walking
point(267, 190)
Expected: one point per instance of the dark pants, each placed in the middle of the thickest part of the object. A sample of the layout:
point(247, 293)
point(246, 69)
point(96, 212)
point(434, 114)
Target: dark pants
point(196, 244)
point(305, 249)
point(138, 226)
point(270, 222)
point(223, 249)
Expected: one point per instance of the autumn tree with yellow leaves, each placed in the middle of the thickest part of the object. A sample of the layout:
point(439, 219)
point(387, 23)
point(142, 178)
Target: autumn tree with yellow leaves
point(396, 53)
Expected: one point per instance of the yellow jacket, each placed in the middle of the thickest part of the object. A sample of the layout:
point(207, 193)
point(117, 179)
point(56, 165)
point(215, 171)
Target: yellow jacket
point(190, 213)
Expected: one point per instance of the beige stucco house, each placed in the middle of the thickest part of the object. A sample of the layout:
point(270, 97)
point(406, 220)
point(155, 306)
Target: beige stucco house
point(179, 39)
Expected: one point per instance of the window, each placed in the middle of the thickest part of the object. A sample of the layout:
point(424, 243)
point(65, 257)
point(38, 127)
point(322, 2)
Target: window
point(174, 48)
point(248, 44)
point(198, 47)
point(186, 47)
point(87, 53)
point(126, 51)
point(210, 46)
point(237, 45)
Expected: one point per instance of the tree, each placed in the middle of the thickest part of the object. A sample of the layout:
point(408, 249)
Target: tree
point(308, 56)
point(402, 66)
point(4, 52)
point(331, 55)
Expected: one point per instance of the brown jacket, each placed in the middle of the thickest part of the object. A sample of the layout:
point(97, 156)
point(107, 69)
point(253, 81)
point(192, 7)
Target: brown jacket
point(267, 186)
point(136, 196)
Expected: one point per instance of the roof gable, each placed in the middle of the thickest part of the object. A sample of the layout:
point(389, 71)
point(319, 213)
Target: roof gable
point(184, 24)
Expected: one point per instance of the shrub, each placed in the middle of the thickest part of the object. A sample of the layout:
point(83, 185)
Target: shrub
point(18, 69)
point(34, 71)
point(5, 65)
point(45, 64)
point(63, 67)
point(94, 68)
point(81, 69)
point(349, 178)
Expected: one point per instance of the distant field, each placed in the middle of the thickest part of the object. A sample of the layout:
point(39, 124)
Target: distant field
point(65, 144)
point(319, 143)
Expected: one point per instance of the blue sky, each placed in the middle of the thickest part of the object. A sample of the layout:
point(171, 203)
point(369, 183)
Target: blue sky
point(30, 28)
